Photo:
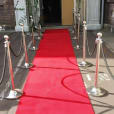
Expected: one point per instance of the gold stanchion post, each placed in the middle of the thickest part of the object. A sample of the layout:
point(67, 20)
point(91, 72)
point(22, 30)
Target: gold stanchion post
point(39, 32)
point(78, 35)
point(74, 17)
point(74, 20)
point(33, 48)
point(84, 63)
point(14, 93)
point(27, 64)
point(95, 90)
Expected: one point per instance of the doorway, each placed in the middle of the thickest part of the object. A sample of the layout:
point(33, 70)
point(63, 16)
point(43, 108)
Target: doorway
point(52, 12)
point(67, 17)
point(109, 12)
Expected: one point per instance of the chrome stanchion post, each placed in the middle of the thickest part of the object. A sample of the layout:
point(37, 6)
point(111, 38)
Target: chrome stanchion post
point(84, 40)
point(33, 48)
point(39, 31)
point(75, 28)
point(14, 93)
point(74, 18)
point(27, 64)
point(95, 90)
point(84, 63)
point(78, 35)
point(73, 25)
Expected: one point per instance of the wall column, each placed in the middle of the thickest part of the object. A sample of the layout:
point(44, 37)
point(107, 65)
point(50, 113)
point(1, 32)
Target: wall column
point(20, 14)
point(95, 14)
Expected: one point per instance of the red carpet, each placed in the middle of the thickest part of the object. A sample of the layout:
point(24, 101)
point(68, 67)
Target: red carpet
point(55, 85)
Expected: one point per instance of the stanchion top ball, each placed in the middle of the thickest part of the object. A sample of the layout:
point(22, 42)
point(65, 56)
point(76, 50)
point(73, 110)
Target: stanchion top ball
point(21, 24)
point(84, 22)
point(6, 37)
point(99, 34)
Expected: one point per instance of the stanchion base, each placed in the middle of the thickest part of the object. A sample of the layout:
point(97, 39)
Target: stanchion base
point(77, 47)
point(74, 38)
point(73, 31)
point(37, 38)
point(33, 48)
point(27, 66)
point(85, 64)
point(14, 94)
point(97, 91)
